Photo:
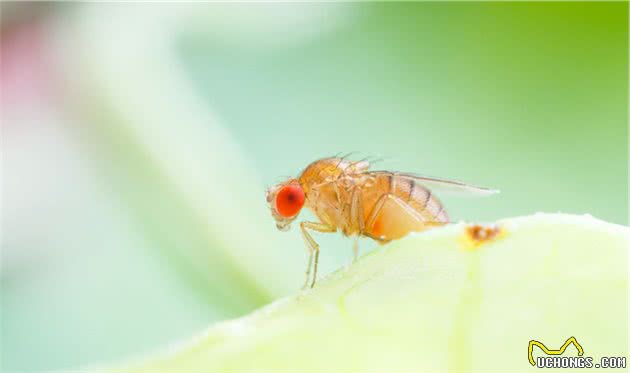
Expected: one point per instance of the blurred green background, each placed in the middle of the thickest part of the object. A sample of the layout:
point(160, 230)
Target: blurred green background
point(138, 140)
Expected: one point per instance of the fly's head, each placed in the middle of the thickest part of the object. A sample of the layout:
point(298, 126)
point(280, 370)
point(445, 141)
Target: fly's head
point(285, 202)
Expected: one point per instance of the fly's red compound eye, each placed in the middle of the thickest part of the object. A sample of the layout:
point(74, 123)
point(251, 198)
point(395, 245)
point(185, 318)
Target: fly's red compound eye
point(289, 200)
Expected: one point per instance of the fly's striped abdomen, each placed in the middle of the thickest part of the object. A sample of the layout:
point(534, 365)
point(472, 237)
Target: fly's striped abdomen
point(413, 209)
point(420, 198)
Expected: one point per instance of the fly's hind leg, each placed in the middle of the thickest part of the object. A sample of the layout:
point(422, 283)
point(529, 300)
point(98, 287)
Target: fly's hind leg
point(380, 204)
point(376, 210)
point(312, 246)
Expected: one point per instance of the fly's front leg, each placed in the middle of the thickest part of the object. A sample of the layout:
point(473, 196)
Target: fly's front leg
point(310, 263)
point(312, 246)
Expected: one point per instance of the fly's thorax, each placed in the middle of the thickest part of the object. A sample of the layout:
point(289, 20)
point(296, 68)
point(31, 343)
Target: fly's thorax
point(331, 201)
point(317, 174)
point(328, 170)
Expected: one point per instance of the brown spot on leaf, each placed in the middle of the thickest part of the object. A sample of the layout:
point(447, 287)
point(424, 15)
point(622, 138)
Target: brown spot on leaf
point(476, 235)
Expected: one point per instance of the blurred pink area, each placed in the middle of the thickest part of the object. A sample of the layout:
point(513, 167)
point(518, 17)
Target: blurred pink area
point(35, 142)
point(26, 69)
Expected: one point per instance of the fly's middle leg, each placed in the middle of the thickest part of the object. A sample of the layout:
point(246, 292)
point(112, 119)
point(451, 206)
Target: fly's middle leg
point(313, 247)
point(356, 219)
point(356, 211)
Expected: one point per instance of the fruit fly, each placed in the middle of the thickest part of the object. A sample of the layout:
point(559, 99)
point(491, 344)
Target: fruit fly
point(346, 196)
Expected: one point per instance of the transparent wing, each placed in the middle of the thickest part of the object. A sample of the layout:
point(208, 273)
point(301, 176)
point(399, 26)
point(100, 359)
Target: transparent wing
point(444, 186)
